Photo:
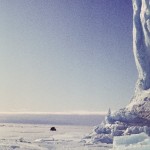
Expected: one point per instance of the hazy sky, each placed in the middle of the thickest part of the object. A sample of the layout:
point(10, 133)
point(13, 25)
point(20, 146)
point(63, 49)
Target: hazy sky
point(66, 55)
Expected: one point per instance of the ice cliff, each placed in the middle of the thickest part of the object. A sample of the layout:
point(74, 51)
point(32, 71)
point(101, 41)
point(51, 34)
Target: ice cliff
point(135, 117)
point(140, 102)
point(141, 42)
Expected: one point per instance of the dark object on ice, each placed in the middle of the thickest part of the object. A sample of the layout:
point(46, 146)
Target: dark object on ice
point(52, 129)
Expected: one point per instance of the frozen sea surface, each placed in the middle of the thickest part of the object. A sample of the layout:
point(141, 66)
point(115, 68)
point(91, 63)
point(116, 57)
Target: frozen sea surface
point(39, 137)
point(56, 119)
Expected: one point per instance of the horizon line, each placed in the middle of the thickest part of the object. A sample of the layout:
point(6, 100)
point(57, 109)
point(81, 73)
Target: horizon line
point(58, 113)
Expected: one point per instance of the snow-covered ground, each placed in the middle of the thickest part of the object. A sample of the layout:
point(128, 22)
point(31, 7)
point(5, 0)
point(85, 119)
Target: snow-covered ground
point(39, 137)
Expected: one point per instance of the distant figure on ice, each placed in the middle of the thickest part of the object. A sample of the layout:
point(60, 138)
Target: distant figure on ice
point(52, 129)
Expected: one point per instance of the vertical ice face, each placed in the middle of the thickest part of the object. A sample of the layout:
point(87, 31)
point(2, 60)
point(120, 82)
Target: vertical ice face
point(141, 42)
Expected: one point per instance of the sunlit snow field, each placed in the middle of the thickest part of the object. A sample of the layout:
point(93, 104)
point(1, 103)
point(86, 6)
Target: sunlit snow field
point(24, 136)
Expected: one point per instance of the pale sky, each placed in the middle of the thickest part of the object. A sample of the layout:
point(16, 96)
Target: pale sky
point(66, 55)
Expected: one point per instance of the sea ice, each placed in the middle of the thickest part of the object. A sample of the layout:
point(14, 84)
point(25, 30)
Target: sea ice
point(38, 137)
point(132, 142)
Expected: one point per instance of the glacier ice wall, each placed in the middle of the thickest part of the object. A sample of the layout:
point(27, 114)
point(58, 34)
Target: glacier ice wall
point(135, 117)
point(141, 42)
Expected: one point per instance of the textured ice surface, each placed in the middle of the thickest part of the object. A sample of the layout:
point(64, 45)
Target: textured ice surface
point(132, 142)
point(141, 42)
point(140, 102)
